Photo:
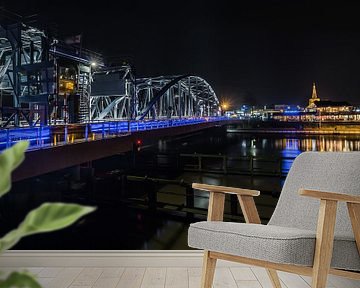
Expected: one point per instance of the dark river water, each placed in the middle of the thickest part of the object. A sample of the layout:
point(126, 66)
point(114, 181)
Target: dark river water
point(125, 218)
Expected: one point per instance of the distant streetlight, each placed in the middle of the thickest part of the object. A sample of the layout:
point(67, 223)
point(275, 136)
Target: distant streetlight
point(93, 64)
point(224, 107)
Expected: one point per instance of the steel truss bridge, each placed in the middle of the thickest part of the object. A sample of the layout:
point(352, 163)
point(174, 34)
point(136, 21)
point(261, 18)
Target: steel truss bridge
point(44, 81)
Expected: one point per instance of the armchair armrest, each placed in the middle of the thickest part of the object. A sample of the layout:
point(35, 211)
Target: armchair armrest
point(226, 190)
point(322, 195)
point(328, 204)
point(326, 225)
point(217, 200)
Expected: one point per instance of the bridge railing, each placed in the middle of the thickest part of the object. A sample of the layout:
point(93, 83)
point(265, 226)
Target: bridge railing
point(49, 136)
point(242, 165)
point(179, 198)
point(37, 136)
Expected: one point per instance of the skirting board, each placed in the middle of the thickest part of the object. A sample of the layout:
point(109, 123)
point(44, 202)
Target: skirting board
point(106, 258)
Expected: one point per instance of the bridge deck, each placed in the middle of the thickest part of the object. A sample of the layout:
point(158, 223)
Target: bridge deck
point(107, 139)
point(57, 135)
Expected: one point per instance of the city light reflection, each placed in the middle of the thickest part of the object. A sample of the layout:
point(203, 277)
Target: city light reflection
point(321, 143)
point(291, 147)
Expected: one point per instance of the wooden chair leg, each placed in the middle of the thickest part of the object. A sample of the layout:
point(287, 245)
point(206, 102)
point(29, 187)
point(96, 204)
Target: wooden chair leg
point(354, 212)
point(324, 243)
point(215, 213)
point(274, 278)
point(208, 270)
point(251, 215)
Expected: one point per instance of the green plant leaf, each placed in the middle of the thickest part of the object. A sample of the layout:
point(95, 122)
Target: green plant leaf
point(9, 160)
point(47, 217)
point(19, 280)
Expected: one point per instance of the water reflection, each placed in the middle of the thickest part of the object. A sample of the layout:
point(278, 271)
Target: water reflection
point(291, 147)
point(259, 145)
point(320, 143)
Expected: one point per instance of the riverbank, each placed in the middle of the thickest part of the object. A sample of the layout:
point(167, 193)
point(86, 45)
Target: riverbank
point(305, 131)
point(294, 127)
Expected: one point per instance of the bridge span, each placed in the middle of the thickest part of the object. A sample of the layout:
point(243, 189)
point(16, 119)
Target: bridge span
point(44, 80)
point(70, 145)
point(73, 108)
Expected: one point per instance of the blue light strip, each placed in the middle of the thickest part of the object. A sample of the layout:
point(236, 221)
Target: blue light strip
point(293, 112)
point(123, 126)
point(40, 137)
point(37, 136)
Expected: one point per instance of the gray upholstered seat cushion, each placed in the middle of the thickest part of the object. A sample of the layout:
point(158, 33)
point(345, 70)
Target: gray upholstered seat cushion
point(270, 243)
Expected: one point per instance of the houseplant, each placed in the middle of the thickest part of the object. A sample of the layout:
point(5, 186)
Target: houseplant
point(47, 217)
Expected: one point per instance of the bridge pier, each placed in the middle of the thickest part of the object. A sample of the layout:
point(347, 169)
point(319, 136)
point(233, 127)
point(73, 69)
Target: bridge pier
point(75, 173)
point(152, 194)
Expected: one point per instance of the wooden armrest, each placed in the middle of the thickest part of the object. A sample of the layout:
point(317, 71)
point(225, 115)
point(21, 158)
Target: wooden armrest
point(330, 196)
point(326, 225)
point(217, 200)
point(225, 189)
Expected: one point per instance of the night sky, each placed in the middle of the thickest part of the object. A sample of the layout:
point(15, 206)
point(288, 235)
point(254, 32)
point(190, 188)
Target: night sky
point(257, 52)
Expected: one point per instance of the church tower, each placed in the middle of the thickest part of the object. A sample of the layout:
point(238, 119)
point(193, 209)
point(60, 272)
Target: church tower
point(313, 98)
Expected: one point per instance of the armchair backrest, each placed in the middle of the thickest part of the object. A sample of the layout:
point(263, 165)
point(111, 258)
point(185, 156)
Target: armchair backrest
point(325, 171)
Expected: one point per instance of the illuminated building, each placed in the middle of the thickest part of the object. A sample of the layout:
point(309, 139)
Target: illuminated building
point(313, 98)
point(320, 111)
point(325, 110)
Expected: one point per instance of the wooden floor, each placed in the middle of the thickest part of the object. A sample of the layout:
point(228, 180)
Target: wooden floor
point(171, 277)
point(154, 274)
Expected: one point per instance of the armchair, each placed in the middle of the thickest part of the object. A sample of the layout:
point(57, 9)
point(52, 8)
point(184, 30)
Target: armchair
point(311, 232)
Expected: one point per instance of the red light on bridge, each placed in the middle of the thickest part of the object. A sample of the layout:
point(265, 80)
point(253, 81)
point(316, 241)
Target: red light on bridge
point(137, 145)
